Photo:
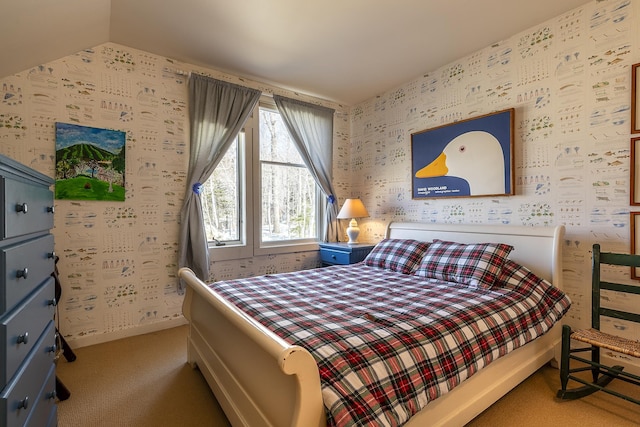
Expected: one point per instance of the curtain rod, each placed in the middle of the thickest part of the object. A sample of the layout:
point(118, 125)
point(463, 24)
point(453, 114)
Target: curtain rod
point(176, 71)
point(183, 73)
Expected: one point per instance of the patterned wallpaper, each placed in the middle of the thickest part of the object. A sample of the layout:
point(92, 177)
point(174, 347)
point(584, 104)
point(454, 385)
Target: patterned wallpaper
point(118, 260)
point(568, 80)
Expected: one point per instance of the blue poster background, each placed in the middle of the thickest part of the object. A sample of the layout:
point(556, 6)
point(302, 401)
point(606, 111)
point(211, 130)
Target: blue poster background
point(427, 145)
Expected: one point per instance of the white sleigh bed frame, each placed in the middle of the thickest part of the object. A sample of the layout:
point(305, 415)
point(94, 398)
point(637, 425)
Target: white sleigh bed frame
point(260, 380)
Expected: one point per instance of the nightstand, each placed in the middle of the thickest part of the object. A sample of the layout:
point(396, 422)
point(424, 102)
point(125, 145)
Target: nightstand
point(343, 253)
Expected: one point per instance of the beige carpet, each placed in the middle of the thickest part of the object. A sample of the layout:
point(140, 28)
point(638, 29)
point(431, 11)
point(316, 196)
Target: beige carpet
point(138, 381)
point(145, 381)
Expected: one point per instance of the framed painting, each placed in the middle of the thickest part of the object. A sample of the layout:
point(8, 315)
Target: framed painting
point(90, 163)
point(635, 102)
point(635, 241)
point(469, 158)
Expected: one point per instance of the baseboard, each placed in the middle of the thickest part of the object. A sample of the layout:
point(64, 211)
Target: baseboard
point(125, 333)
point(630, 365)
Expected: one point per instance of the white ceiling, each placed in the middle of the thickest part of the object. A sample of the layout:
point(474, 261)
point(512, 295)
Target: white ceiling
point(342, 50)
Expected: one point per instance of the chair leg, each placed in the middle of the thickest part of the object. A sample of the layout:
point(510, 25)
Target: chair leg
point(564, 358)
point(595, 357)
point(600, 377)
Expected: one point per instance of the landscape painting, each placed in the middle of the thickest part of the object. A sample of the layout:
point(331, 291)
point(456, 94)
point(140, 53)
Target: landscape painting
point(90, 163)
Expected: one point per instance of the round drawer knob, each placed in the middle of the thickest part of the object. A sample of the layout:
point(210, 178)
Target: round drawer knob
point(333, 257)
point(24, 338)
point(51, 209)
point(21, 207)
point(24, 403)
point(51, 255)
point(22, 273)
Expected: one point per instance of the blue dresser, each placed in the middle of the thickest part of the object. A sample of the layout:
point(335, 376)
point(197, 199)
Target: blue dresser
point(27, 298)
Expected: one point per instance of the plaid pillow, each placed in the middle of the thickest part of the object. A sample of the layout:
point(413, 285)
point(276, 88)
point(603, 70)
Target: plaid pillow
point(401, 255)
point(514, 275)
point(476, 265)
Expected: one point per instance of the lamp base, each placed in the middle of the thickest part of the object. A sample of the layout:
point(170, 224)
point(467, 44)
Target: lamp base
point(353, 232)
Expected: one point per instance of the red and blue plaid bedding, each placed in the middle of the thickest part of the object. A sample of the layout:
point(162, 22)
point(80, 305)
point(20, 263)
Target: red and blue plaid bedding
point(387, 343)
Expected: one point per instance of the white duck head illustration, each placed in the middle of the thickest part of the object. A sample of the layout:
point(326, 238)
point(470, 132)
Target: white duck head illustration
point(474, 156)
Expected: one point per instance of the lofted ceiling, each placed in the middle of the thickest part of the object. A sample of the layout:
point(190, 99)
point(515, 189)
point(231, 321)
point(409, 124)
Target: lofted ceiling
point(341, 50)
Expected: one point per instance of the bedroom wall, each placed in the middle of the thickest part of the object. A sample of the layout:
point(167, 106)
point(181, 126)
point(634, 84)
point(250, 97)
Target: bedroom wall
point(118, 260)
point(569, 82)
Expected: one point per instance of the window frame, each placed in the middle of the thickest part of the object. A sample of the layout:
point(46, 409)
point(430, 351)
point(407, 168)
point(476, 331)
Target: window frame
point(242, 248)
point(249, 168)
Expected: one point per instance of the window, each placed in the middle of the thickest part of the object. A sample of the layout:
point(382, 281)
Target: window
point(221, 197)
point(262, 179)
point(288, 191)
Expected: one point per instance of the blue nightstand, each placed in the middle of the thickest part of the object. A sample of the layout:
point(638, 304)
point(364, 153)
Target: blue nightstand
point(343, 253)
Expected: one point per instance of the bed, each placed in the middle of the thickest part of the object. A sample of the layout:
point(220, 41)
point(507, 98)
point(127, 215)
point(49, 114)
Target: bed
point(260, 379)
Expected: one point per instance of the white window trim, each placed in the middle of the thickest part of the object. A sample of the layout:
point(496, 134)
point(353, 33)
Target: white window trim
point(243, 249)
point(250, 236)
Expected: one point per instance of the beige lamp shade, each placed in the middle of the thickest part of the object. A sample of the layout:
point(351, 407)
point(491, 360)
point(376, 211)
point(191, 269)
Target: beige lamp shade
point(353, 208)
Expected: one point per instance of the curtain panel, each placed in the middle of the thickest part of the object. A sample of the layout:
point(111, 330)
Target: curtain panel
point(311, 127)
point(217, 112)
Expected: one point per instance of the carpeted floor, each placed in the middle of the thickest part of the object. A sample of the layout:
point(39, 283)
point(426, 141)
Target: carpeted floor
point(137, 381)
point(145, 381)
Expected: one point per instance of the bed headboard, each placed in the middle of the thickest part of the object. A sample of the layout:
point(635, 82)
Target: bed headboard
point(537, 248)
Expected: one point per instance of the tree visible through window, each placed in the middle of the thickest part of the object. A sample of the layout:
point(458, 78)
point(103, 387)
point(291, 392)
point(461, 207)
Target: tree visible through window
point(221, 198)
point(288, 189)
point(274, 190)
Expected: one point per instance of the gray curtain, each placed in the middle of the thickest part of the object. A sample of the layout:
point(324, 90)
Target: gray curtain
point(217, 112)
point(311, 127)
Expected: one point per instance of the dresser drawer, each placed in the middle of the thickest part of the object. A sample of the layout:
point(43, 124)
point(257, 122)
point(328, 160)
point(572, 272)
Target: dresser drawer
point(25, 386)
point(35, 257)
point(27, 208)
point(45, 404)
point(20, 329)
point(53, 415)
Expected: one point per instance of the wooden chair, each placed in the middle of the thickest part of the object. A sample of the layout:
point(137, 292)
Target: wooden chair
point(597, 340)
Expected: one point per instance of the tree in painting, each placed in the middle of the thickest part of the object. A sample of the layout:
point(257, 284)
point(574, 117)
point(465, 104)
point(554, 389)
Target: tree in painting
point(90, 163)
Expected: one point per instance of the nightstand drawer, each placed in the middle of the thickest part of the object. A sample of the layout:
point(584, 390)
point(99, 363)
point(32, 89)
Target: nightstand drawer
point(343, 253)
point(329, 256)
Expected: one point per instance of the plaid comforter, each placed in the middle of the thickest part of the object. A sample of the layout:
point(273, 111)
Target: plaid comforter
point(387, 343)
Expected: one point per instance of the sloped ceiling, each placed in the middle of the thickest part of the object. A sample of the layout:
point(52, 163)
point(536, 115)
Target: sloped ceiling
point(342, 50)
point(33, 32)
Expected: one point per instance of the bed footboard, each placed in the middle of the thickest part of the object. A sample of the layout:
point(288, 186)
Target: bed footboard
point(258, 379)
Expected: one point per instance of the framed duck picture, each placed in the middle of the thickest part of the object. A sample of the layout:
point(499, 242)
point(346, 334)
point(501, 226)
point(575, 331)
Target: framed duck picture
point(469, 158)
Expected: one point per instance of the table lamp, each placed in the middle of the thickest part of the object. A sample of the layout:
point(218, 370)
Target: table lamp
point(353, 208)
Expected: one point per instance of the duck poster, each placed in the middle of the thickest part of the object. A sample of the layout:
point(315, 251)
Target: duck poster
point(469, 158)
